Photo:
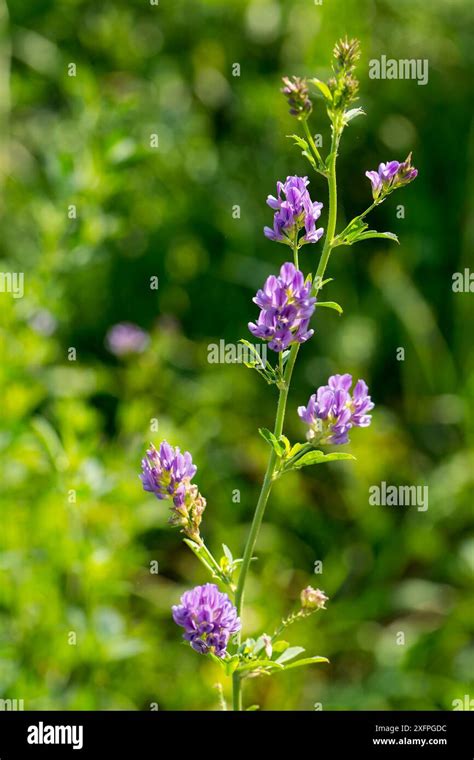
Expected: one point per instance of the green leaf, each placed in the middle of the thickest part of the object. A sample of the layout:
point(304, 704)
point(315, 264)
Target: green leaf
point(306, 661)
point(329, 158)
point(228, 553)
point(196, 549)
point(217, 660)
point(231, 665)
point(299, 141)
point(246, 646)
point(323, 88)
point(318, 457)
point(330, 305)
point(310, 158)
point(259, 645)
point(375, 234)
point(352, 114)
point(289, 654)
point(280, 646)
point(296, 449)
point(357, 230)
point(319, 284)
point(272, 440)
point(254, 351)
point(270, 375)
point(303, 144)
point(286, 443)
point(252, 708)
point(258, 664)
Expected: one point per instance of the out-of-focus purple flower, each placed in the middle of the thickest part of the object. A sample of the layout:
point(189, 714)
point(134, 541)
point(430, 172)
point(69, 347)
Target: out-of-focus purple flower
point(126, 338)
point(209, 619)
point(167, 473)
point(332, 411)
point(43, 322)
point(391, 176)
point(294, 211)
point(286, 307)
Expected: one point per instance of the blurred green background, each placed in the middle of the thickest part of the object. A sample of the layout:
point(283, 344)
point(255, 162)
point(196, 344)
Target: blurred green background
point(80, 428)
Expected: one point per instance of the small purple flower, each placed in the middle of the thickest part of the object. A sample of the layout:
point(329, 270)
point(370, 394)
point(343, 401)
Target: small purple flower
point(208, 618)
point(391, 176)
point(126, 338)
point(388, 171)
point(332, 411)
point(286, 307)
point(294, 211)
point(167, 473)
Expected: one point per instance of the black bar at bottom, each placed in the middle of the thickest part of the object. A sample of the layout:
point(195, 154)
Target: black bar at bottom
point(146, 734)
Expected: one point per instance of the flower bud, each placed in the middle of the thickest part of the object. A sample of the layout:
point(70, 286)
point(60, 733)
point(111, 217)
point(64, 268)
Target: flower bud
point(406, 172)
point(296, 91)
point(344, 85)
point(313, 599)
point(267, 641)
point(346, 54)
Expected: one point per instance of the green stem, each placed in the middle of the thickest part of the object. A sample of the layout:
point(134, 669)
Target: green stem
point(267, 481)
point(292, 618)
point(236, 692)
point(332, 217)
point(312, 144)
point(206, 557)
point(260, 508)
point(215, 565)
point(281, 409)
point(295, 257)
point(367, 210)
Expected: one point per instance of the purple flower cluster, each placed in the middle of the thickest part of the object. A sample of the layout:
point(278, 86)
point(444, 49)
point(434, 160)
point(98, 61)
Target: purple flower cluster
point(293, 212)
point(167, 473)
point(208, 618)
point(390, 176)
point(286, 307)
point(332, 411)
point(126, 338)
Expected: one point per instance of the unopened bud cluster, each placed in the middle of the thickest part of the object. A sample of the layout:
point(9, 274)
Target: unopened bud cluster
point(296, 91)
point(343, 84)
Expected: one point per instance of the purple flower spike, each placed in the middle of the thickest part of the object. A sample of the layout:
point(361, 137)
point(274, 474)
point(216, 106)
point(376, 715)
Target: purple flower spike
point(167, 473)
point(332, 411)
point(391, 176)
point(294, 212)
point(286, 307)
point(209, 619)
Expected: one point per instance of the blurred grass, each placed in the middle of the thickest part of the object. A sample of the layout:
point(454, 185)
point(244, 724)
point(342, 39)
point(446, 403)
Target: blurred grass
point(80, 428)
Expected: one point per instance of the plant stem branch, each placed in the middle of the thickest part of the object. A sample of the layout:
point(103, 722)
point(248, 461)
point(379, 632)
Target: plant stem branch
point(282, 400)
point(313, 147)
